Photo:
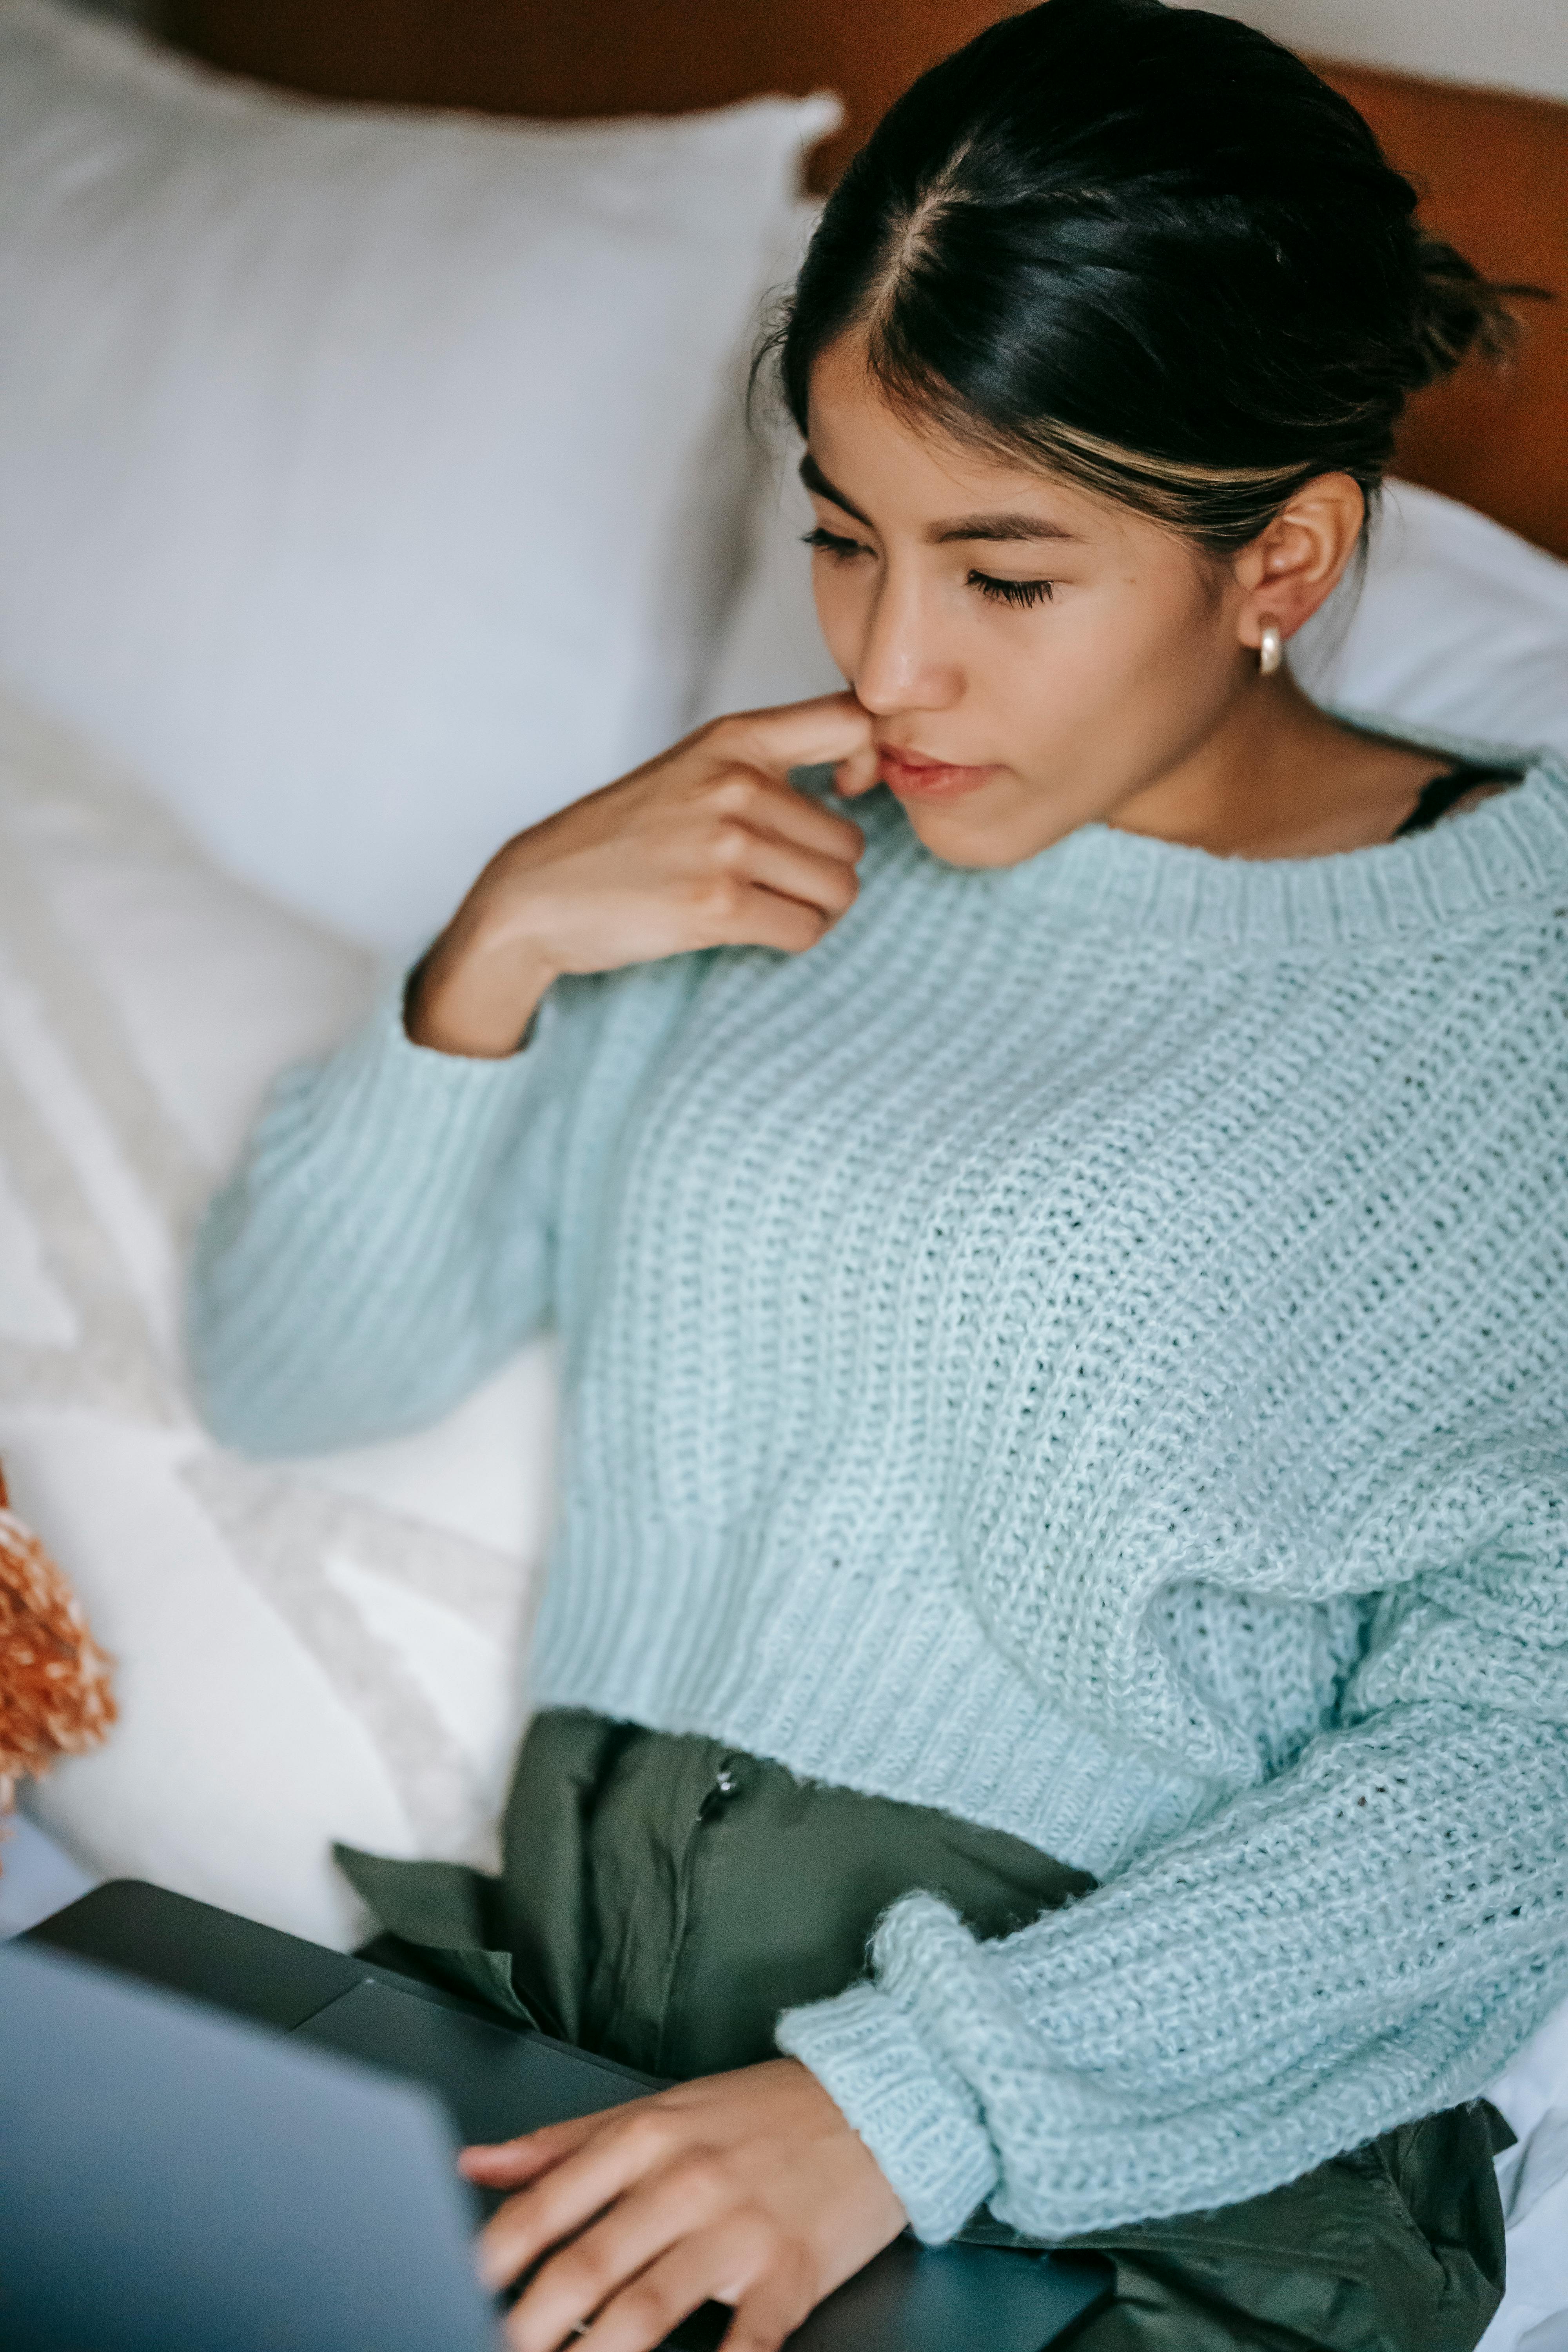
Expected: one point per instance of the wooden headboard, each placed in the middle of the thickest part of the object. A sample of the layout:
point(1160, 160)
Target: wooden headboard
point(1493, 167)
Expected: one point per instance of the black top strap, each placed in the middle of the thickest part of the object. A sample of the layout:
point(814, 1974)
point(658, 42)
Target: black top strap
point(1440, 794)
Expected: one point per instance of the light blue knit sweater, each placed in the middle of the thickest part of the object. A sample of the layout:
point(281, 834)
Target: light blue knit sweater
point(1085, 1347)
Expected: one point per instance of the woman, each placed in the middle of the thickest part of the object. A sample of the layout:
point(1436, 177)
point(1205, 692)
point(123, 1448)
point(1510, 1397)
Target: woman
point(1061, 1287)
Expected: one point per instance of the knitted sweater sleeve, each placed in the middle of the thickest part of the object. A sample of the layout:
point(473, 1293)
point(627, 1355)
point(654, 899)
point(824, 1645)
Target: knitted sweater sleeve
point(1365, 1938)
point(386, 1240)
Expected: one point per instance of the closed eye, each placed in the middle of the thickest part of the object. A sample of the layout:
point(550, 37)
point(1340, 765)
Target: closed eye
point(1013, 592)
point(828, 542)
point(1020, 593)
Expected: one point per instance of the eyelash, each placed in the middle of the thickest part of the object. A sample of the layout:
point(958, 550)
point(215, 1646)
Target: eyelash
point(1019, 594)
point(1013, 592)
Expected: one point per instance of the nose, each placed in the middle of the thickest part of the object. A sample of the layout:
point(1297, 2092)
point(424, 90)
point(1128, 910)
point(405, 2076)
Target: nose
point(902, 666)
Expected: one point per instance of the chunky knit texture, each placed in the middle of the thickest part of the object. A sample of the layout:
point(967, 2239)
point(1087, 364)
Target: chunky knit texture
point(1085, 1347)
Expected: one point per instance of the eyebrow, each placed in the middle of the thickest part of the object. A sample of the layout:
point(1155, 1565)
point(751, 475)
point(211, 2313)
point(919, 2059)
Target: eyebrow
point(993, 526)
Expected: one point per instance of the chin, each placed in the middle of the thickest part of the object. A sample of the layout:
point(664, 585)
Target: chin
point(962, 837)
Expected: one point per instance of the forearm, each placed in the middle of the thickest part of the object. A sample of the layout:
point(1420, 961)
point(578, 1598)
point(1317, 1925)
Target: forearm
point(1363, 1940)
point(355, 1277)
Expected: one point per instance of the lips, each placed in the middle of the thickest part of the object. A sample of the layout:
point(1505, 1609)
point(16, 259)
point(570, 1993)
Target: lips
point(913, 777)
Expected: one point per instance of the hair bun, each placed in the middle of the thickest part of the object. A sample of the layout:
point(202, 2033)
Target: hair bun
point(1457, 311)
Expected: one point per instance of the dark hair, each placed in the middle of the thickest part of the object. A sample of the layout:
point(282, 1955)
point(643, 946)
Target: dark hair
point(1149, 246)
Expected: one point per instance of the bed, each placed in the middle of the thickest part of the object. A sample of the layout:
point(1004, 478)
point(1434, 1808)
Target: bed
point(358, 1627)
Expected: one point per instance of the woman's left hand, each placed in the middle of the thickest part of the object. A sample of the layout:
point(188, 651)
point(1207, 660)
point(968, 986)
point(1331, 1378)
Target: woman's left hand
point(748, 2189)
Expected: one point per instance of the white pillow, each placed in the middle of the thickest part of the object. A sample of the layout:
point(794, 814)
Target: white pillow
point(1458, 625)
point(1462, 625)
point(371, 478)
point(303, 1655)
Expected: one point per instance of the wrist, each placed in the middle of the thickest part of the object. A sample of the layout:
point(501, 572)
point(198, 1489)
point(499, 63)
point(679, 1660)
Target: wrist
point(475, 994)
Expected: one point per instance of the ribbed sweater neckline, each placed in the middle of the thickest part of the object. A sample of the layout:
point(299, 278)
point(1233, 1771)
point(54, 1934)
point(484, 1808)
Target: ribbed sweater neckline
point(1511, 850)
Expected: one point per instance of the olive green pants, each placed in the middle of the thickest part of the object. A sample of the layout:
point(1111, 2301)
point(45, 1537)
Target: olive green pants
point(663, 1898)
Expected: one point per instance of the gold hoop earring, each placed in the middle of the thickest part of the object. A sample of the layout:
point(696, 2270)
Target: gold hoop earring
point(1270, 650)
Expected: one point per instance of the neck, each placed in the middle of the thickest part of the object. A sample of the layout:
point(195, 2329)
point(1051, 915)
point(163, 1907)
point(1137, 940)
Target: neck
point(1279, 778)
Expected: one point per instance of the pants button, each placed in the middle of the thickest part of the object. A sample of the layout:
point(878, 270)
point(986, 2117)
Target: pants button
point(726, 1784)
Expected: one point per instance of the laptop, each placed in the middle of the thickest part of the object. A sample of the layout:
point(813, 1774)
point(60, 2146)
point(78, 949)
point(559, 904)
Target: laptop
point(212, 2134)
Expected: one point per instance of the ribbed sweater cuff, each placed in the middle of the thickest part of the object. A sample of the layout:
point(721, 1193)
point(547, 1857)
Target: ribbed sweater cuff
point(444, 1106)
point(913, 2112)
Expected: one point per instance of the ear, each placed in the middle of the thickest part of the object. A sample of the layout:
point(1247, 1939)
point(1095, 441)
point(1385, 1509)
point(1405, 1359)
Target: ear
point(1289, 568)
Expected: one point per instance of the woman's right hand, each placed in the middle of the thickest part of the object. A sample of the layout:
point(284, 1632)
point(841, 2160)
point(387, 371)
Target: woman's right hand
point(708, 846)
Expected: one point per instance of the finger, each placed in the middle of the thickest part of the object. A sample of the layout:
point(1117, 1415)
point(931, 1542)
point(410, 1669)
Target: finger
point(824, 883)
point(795, 735)
point(766, 2317)
point(769, 807)
point(694, 2271)
point(561, 2200)
point(857, 773)
point(503, 2164)
point(578, 2281)
point(744, 915)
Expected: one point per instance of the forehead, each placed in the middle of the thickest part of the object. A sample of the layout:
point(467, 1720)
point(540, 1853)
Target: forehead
point(908, 470)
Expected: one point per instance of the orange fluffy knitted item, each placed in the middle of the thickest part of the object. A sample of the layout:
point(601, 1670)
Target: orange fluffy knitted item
point(54, 1697)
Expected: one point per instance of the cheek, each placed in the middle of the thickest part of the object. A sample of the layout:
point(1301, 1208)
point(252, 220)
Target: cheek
point(1126, 656)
